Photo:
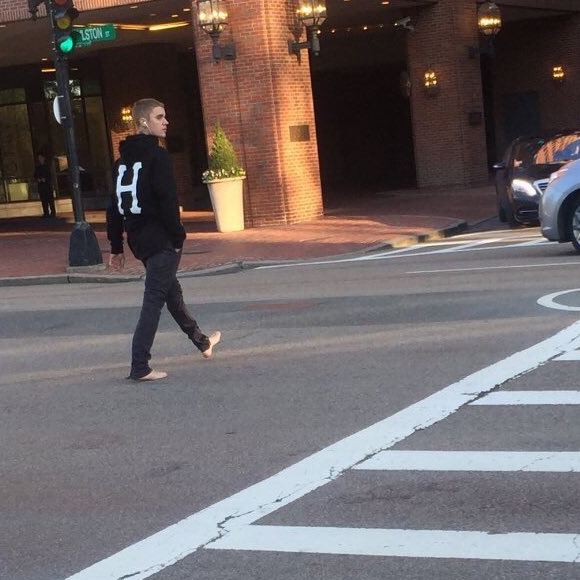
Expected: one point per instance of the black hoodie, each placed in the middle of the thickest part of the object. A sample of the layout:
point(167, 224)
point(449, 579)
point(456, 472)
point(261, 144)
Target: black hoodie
point(144, 199)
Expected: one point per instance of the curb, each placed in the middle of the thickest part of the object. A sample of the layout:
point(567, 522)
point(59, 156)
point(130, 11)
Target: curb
point(65, 279)
point(235, 267)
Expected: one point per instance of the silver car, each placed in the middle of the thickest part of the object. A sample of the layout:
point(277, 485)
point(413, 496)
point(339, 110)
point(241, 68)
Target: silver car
point(560, 206)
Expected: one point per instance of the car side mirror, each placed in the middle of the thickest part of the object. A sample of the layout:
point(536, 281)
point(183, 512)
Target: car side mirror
point(499, 165)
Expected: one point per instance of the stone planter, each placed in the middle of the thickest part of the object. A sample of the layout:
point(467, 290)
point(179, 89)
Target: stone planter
point(227, 200)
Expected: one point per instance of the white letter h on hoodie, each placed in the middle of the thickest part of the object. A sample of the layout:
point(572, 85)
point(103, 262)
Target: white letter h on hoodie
point(131, 188)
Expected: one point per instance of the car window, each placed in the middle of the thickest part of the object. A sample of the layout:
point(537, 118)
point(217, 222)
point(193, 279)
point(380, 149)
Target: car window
point(559, 149)
point(524, 152)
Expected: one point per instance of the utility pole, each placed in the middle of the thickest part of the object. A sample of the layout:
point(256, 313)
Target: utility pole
point(84, 248)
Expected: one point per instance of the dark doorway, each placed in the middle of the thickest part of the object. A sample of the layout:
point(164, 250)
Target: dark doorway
point(363, 118)
point(521, 113)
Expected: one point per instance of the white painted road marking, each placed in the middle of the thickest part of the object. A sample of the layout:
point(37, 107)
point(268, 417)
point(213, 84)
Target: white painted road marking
point(549, 301)
point(417, 250)
point(530, 397)
point(526, 547)
point(510, 267)
point(548, 461)
point(151, 555)
point(572, 355)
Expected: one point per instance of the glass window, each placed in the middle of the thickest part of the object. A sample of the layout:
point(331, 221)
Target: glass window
point(12, 96)
point(51, 89)
point(16, 153)
point(524, 152)
point(559, 150)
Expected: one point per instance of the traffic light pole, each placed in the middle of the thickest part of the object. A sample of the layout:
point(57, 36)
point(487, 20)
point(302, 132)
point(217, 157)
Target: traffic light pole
point(62, 81)
point(84, 248)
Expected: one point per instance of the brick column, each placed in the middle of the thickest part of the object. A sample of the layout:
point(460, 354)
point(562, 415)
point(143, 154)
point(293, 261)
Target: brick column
point(263, 100)
point(448, 149)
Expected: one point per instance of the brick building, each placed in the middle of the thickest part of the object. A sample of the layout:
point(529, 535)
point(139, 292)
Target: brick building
point(309, 130)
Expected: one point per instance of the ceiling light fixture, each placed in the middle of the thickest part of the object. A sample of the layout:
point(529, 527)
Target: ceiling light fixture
point(168, 26)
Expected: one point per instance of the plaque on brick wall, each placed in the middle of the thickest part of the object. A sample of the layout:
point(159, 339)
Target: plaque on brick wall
point(299, 133)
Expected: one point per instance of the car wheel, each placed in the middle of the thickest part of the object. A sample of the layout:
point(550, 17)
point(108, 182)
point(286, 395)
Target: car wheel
point(574, 224)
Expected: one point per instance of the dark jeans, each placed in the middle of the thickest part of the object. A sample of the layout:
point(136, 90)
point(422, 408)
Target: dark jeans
point(47, 200)
point(161, 287)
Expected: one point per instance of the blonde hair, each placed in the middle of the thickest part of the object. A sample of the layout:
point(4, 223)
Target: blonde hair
point(142, 109)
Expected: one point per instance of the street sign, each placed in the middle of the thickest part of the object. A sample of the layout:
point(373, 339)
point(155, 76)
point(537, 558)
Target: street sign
point(89, 34)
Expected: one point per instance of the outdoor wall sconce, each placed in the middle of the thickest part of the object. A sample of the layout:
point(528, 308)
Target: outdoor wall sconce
point(213, 20)
point(430, 82)
point(489, 19)
point(126, 116)
point(311, 14)
point(558, 73)
point(489, 24)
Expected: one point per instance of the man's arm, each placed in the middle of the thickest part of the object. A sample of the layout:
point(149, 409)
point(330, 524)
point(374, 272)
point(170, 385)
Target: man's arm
point(114, 224)
point(164, 188)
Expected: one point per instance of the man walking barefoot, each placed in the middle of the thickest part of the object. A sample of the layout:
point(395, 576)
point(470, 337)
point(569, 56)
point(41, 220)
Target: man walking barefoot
point(144, 204)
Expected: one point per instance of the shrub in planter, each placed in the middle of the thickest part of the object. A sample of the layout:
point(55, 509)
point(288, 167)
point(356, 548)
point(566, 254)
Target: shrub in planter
point(223, 161)
point(224, 179)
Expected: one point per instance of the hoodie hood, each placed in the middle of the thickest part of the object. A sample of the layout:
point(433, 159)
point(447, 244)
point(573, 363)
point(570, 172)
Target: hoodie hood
point(137, 146)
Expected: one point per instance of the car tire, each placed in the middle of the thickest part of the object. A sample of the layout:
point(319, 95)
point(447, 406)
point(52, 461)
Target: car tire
point(573, 219)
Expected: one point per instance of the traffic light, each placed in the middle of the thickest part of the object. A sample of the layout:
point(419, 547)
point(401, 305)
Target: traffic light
point(63, 16)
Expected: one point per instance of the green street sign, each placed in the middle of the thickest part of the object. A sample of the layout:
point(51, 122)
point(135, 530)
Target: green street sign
point(86, 35)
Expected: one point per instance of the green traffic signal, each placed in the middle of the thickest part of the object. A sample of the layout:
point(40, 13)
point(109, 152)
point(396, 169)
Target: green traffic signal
point(63, 15)
point(66, 44)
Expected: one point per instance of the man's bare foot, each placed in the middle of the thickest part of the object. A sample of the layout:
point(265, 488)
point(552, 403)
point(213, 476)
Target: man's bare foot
point(213, 340)
point(152, 376)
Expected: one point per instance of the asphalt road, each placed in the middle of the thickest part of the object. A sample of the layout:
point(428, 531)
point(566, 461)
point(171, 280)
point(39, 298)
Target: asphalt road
point(321, 441)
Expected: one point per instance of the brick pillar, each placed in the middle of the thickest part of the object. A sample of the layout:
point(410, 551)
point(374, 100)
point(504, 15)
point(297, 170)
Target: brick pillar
point(448, 149)
point(258, 98)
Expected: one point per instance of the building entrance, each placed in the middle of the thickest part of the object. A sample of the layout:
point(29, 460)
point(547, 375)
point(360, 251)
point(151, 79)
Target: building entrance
point(28, 128)
point(151, 56)
point(363, 115)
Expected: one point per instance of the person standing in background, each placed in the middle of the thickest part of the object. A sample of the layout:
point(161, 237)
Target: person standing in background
point(43, 178)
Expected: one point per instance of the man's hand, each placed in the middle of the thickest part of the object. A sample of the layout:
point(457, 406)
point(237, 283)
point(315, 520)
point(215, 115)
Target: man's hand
point(117, 261)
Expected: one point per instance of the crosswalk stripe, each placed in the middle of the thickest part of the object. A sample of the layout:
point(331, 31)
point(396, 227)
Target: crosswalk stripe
point(504, 461)
point(529, 398)
point(572, 355)
point(527, 547)
point(199, 530)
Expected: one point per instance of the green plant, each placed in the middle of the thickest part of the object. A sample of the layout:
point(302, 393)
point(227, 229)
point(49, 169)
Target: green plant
point(223, 162)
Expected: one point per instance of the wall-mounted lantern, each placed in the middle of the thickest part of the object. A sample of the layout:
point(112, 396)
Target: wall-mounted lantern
point(126, 115)
point(489, 19)
point(311, 14)
point(214, 20)
point(430, 82)
point(558, 73)
point(489, 24)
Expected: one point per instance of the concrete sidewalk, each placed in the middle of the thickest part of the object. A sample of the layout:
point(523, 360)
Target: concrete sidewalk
point(35, 251)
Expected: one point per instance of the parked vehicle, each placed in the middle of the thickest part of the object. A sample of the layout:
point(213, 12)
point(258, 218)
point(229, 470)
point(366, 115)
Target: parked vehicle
point(523, 175)
point(560, 206)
